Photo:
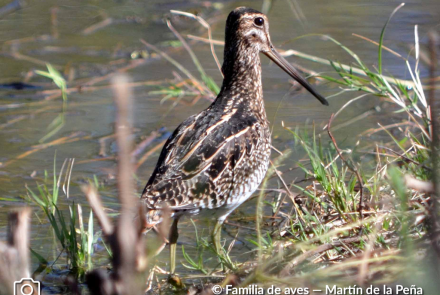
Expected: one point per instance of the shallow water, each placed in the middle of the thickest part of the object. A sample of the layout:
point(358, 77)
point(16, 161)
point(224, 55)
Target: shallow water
point(25, 114)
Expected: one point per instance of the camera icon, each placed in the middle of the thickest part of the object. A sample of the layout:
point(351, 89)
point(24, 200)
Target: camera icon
point(26, 286)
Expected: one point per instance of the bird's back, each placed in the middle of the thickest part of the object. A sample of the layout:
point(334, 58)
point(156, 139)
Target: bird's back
point(213, 160)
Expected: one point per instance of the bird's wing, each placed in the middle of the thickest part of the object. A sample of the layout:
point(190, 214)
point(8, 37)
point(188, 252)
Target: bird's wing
point(199, 160)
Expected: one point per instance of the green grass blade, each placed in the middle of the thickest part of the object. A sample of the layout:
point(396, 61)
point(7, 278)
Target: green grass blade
point(382, 35)
point(40, 258)
point(35, 197)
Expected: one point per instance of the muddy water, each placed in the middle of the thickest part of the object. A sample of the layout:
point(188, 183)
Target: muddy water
point(55, 32)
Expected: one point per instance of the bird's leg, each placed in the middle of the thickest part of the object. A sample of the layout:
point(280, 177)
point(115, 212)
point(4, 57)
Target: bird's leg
point(164, 242)
point(216, 235)
point(174, 234)
point(222, 255)
point(173, 279)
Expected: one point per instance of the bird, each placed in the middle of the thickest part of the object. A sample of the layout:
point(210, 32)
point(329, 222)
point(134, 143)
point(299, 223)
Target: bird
point(216, 159)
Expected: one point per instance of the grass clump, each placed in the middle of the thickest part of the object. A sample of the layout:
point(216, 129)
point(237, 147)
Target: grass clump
point(202, 246)
point(74, 238)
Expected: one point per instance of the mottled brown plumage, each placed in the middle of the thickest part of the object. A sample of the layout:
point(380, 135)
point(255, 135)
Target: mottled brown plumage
point(215, 160)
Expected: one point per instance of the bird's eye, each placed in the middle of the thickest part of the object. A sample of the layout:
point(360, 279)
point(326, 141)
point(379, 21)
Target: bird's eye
point(259, 21)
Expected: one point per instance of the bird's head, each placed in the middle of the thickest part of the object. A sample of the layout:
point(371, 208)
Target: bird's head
point(247, 30)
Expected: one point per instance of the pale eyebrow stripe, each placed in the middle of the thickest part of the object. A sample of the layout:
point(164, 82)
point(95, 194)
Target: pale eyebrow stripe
point(250, 16)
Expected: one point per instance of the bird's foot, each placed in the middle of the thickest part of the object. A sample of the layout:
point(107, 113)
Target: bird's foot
point(176, 281)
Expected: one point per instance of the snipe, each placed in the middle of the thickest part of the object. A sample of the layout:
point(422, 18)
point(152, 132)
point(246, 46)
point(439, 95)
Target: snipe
point(215, 160)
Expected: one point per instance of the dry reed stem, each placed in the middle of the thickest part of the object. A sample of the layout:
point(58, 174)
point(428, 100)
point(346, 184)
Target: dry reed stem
point(149, 153)
point(14, 256)
point(19, 56)
point(96, 205)
point(403, 157)
point(132, 65)
point(39, 38)
point(143, 144)
point(375, 43)
point(371, 131)
point(418, 185)
point(125, 239)
point(54, 22)
point(63, 140)
point(208, 27)
point(102, 145)
point(98, 26)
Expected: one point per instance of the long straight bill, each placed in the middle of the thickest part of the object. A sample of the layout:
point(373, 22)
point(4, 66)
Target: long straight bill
point(289, 69)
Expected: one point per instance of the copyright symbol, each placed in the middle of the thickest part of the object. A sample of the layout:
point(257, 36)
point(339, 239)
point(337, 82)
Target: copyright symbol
point(217, 290)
